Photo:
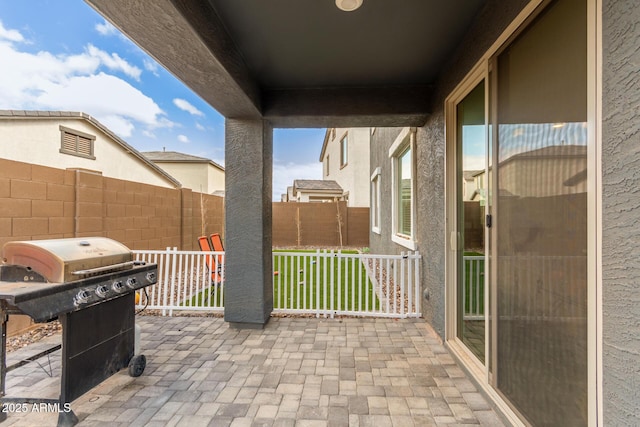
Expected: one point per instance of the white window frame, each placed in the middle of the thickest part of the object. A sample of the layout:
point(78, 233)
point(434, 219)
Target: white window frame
point(344, 150)
point(407, 138)
point(375, 195)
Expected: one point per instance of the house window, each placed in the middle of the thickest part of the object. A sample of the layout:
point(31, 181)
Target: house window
point(344, 150)
point(403, 189)
point(375, 201)
point(326, 165)
point(76, 143)
point(404, 192)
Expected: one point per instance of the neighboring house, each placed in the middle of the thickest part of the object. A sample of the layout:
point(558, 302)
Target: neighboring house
point(314, 190)
point(345, 159)
point(197, 173)
point(556, 341)
point(63, 140)
point(472, 181)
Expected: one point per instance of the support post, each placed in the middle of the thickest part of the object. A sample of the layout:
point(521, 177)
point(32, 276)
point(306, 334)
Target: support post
point(248, 261)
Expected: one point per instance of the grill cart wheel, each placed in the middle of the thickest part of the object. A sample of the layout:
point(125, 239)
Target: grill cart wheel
point(137, 365)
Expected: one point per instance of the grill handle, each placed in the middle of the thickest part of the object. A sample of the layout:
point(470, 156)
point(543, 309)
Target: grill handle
point(98, 270)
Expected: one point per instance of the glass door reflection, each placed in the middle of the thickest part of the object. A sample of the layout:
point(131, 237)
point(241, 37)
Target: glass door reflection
point(470, 205)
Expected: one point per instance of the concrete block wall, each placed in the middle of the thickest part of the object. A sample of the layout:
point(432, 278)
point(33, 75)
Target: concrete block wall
point(141, 216)
point(358, 231)
point(193, 204)
point(38, 202)
point(35, 202)
point(319, 224)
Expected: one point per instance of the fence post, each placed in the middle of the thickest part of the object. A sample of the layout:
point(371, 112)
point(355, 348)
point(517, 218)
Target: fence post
point(174, 252)
point(317, 284)
point(165, 290)
point(416, 284)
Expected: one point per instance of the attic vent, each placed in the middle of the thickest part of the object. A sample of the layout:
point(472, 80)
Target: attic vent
point(77, 143)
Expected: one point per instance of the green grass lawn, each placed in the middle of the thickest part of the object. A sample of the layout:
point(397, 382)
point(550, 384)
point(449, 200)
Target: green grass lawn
point(317, 282)
point(304, 282)
point(204, 298)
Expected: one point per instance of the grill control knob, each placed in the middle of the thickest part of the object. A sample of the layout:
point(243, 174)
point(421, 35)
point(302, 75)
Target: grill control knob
point(81, 298)
point(117, 286)
point(101, 291)
point(132, 282)
point(151, 277)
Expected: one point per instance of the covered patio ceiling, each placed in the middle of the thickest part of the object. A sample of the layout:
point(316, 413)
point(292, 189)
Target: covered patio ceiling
point(302, 63)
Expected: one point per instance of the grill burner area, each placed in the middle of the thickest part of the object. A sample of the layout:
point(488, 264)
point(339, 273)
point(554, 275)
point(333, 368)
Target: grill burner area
point(89, 284)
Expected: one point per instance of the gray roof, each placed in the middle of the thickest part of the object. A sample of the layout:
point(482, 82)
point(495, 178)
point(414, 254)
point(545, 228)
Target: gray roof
point(316, 184)
point(176, 157)
point(74, 115)
point(470, 174)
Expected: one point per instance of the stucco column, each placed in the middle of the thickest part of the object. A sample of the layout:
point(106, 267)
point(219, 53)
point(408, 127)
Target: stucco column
point(248, 288)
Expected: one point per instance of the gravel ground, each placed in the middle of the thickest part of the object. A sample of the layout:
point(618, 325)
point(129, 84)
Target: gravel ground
point(42, 330)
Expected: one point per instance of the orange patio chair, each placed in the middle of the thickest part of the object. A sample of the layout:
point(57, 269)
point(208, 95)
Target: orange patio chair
point(216, 242)
point(214, 263)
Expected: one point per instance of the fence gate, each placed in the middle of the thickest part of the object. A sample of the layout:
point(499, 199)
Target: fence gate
point(322, 283)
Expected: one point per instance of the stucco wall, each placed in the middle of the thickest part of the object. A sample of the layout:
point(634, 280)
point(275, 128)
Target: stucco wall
point(215, 179)
point(621, 211)
point(382, 140)
point(430, 148)
point(198, 176)
point(354, 177)
point(38, 142)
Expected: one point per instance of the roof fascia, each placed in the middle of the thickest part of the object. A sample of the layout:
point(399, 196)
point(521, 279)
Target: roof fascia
point(348, 107)
point(190, 40)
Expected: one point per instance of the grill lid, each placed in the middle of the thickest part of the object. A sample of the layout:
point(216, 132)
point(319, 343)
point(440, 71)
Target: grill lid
point(57, 260)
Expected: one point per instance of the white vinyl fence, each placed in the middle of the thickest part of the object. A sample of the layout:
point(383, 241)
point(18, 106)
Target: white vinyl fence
point(332, 283)
point(473, 297)
point(185, 281)
point(539, 287)
point(324, 283)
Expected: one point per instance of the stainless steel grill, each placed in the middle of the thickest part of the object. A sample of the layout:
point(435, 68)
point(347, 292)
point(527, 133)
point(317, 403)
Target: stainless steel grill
point(89, 284)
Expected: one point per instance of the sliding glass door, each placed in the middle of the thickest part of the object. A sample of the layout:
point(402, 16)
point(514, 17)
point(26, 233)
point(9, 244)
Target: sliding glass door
point(541, 279)
point(471, 191)
point(518, 181)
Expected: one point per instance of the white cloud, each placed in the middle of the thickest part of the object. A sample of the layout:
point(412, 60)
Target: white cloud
point(118, 124)
point(114, 62)
point(150, 66)
point(199, 126)
point(11, 35)
point(75, 83)
point(183, 138)
point(284, 174)
point(106, 29)
point(186, 106)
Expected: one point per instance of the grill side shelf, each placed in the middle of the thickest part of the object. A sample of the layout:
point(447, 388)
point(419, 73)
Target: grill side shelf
point(46, 301)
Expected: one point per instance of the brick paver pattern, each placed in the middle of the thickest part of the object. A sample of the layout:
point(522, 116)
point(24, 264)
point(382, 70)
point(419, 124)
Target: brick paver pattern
point(296, 372)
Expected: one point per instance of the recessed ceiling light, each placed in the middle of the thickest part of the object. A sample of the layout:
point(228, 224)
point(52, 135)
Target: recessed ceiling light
point(348, 5)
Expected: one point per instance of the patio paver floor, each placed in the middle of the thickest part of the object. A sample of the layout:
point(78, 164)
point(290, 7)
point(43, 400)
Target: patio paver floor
point(296, 372)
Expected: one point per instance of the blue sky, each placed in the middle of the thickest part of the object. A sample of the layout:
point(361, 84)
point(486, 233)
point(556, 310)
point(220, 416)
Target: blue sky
point(62, 55)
